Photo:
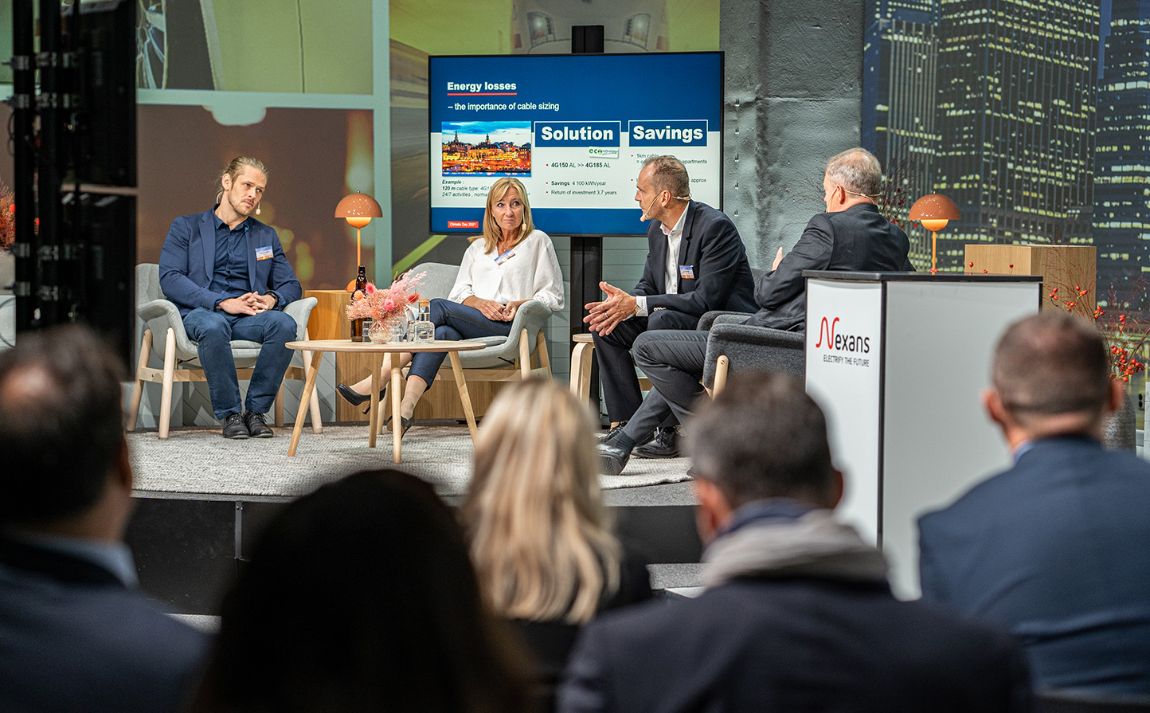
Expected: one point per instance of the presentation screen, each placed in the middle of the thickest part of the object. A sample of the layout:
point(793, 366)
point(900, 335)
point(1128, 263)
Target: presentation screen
point(574, 129)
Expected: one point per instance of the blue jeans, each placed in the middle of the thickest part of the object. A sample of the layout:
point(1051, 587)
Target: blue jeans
point(213, 331)
point(453, 321)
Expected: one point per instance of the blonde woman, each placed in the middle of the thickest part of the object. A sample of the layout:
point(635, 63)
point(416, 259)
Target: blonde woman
point(539, 534)
point(508, 265)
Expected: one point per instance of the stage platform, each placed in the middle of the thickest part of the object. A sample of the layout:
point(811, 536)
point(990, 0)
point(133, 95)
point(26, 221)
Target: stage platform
point(202, 499)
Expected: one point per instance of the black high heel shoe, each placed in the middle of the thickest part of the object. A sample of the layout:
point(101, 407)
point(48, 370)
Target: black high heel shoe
point(350, 396)
point(406, 424)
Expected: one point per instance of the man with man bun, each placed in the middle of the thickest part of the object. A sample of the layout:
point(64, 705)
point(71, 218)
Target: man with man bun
point(227, 274)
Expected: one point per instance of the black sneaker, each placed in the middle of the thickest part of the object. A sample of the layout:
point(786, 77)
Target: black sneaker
point(256, 426)
point(665, 444)
point(234, 427)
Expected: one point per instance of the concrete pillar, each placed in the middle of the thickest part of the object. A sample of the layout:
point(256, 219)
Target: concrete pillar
point(793, 99)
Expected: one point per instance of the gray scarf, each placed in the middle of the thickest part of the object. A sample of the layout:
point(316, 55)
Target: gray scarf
point(814, 545)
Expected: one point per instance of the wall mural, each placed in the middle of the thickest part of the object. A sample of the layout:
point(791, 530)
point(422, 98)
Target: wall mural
point(1032, 116)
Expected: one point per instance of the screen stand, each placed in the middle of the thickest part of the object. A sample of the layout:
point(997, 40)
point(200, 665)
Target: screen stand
point(586, 250)
point(586, 272)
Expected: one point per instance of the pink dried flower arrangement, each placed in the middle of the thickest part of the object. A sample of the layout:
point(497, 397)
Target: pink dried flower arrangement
point(382, 305)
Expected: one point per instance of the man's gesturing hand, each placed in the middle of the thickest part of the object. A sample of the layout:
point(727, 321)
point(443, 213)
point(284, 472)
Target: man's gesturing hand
point(603, 317)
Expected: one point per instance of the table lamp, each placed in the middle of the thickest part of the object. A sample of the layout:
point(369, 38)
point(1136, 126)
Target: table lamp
point(934, 211)
point(358, 209)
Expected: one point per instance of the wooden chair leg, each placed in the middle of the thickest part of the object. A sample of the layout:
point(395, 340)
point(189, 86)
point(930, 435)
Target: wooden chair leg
point(541, 350)
point(721, 367)
point(581, 357)
point(166, 390)
point(524, 354)
point(138, 387)
point(278, 408)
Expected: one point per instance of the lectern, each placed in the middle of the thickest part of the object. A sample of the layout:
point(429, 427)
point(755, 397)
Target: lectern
point(898, 362)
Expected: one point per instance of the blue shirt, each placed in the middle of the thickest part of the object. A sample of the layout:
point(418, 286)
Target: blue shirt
point(230, 277)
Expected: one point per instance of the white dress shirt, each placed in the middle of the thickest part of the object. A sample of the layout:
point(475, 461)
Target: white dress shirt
point(528, 271)
point(671, 276)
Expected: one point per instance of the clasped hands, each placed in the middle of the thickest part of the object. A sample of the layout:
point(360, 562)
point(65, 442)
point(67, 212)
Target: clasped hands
point(618, 305)
point(248, 303)
point(495, 311)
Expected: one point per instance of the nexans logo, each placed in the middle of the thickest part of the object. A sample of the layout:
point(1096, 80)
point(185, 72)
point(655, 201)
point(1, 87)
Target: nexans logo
point(833, 340)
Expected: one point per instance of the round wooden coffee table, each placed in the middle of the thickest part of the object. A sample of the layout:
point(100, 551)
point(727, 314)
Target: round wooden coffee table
point(382, 355)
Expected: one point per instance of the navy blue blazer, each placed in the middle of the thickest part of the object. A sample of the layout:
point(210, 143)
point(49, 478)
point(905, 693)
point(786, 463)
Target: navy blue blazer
point(857, 238)
point(1055, 550)
point(711, 246)
point(188, 260)
point(74, 638)
point(762, 644)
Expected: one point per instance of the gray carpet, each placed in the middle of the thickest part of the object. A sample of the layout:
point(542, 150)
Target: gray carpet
point(201, 461)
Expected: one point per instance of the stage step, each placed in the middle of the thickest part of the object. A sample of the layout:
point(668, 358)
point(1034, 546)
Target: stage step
point(188, 547)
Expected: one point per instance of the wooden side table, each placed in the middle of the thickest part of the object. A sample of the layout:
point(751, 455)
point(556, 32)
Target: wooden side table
point(329, 321)
point(380, 355)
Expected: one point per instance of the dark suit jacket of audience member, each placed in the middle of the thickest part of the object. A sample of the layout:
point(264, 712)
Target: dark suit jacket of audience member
point(74, 638)
point(857, 238)
point(711, 247)
point(1055, 550)
point(550, 642)
point(778, 644)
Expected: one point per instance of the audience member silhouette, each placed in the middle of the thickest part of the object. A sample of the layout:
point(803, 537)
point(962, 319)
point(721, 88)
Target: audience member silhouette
point(75, 635)
point(540, 537)
point(361, 597)
point(797, 614)
point(1053, 549)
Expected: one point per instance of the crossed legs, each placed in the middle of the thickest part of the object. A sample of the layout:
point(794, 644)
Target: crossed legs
point(673, 360)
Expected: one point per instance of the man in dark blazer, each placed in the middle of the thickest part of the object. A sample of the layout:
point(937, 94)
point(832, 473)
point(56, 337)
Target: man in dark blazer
point(75, 635)
point(227, 274)
point(696, 263)
point(796, 614)
point(851, 235)
point(1055, 548)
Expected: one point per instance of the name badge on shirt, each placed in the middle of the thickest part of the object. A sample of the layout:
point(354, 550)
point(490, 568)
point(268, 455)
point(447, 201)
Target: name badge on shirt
point(686, 272)
point(500, 259)
point(264, 253)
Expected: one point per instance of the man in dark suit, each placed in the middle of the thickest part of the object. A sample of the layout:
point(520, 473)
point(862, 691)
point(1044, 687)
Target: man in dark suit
point(696, 263)
point(851, 235)
point(228, 275)
point(796, 614)
point(74, 633)
point(1054, 549)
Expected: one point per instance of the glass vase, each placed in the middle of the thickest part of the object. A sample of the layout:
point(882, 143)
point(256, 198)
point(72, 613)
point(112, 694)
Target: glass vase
point(387, 331)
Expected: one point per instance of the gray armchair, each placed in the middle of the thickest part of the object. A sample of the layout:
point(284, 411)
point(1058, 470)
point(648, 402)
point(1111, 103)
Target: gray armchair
point(735, 346)
point(503, 358)
point(164, 334)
